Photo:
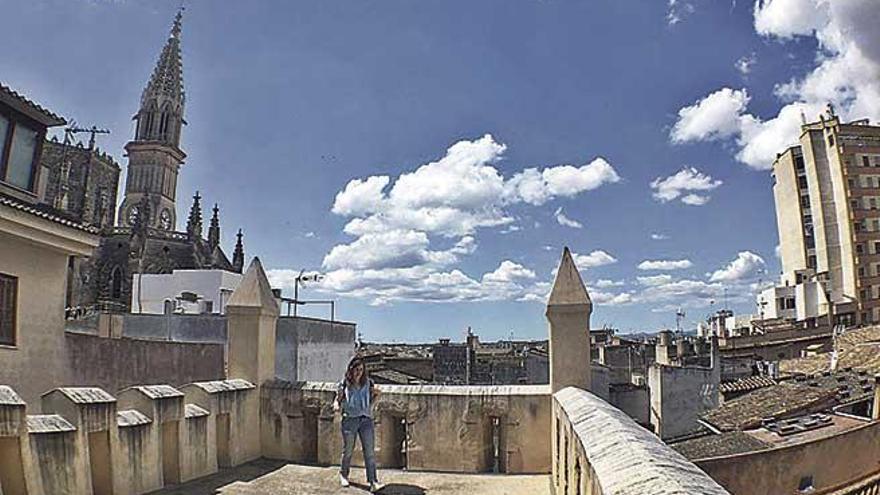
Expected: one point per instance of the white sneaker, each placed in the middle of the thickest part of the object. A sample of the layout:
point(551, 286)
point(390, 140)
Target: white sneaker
point(375, 486)
point(344, 482)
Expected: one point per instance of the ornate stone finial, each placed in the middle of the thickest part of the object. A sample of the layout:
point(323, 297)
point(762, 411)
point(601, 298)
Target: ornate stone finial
point(178, 19)
point(194, 223)
point(238, 254)
point(214, 229)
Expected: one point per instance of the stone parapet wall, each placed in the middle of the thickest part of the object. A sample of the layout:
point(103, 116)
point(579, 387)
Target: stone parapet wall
point(599, 450)
point(87, 442)
point(828, 462)
point(420, 427)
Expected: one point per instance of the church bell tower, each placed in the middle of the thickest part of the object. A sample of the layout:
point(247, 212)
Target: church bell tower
point(154, 156)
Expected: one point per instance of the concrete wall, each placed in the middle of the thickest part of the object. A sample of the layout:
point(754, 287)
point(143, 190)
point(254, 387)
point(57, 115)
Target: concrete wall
point(448, 428)
point(176, 328)
point(154, 289)
point(599, 450)
point(309, 349)
point(634, 401)
point(113, 364)
point(679, 395)
point(831, 461)
point(41, 276)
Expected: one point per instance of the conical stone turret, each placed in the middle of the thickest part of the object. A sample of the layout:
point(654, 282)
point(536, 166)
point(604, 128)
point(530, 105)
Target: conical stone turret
point(568, 316)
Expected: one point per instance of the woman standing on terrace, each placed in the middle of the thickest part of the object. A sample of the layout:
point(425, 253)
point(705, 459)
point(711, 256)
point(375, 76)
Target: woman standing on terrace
point(355, 396)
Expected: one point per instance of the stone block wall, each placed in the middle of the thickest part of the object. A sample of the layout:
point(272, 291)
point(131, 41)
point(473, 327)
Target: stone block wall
point(599, 450)
point(88, 442)
point(427, 427)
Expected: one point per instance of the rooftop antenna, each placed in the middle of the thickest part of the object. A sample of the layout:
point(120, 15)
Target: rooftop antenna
point(679, 317)
point(75, 129)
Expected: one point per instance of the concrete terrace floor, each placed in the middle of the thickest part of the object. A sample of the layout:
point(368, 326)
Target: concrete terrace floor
point(265, 477)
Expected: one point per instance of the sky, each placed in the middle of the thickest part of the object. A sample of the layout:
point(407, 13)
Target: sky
point(431, 159)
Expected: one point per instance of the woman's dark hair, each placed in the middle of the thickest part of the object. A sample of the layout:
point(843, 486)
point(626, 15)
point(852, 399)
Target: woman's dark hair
point(349, 372)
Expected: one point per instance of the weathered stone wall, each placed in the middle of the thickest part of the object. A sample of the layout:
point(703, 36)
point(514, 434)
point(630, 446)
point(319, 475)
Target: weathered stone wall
point(152, 438)
point(830, 461)
point(113, 364)
point(447, 428)
point(599, 450)
point(310, 349)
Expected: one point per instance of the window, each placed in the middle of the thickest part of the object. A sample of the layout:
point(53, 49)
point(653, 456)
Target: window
point(830, 140)
point(866, 161)
point(799, 162)
point(811, 261)
point(802, 182)
point(860, 248)
point(806, 484)
point(8, 308)
point(18, 149)
point(116, 283)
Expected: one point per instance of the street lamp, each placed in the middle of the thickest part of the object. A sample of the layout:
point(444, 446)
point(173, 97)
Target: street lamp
point(302, 278)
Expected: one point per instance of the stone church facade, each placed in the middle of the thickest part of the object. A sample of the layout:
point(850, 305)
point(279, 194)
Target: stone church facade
point(82, 182)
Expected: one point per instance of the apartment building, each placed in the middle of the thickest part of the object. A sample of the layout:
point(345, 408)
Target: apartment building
point(827, 194)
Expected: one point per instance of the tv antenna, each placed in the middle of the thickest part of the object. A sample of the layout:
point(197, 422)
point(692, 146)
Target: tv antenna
point(73, 129)
point(679, 317)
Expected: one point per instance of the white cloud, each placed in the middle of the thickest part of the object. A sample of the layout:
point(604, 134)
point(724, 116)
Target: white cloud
point(716, 116)
point(665, 264)
point(682, 184)
point(461, 192)
point(361, 196)
point(592, 260)
point(537, 187)
point(677, 10)
point(659, 237)
point(746, 265)
point(745, 64)
point(846, 74)
point(309, 235)
point(611, 299)
point(655, 280)
point(605, 283)
point(565, 221)
point(695, 200)
point(509, 271)
point(411, 231)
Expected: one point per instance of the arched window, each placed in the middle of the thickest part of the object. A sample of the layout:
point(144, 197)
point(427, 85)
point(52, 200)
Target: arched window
point(116, 283)
point(163, 122)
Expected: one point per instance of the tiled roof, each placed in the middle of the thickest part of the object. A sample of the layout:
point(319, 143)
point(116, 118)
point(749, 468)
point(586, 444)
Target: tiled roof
point(747, 384)
point(734, 442)
point(159, 391)
point(27, 106)
point(858, 349)
point(48, 423)
point(194, 411)
point(45, 212)
point(87, 395)
point(8, 397)
point(132, 417)
point(218, 386)
point(804, 394)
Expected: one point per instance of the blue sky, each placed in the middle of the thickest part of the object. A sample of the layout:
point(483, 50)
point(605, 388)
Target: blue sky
point(630, 131)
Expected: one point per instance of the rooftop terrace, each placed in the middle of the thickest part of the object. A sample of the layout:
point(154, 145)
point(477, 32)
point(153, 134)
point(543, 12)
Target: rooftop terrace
point(265, 477)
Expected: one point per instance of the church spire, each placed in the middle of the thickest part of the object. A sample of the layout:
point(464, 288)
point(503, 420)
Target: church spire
point(161, 113)
point(238, 254)
point(194, 223)
point(214, 229)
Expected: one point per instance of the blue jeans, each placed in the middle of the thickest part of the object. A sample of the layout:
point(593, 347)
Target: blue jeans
point(359, 426)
